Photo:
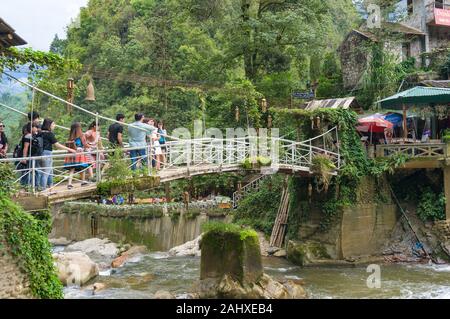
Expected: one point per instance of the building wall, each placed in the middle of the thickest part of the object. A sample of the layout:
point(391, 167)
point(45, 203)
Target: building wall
point(439, 37)
point(14, 282)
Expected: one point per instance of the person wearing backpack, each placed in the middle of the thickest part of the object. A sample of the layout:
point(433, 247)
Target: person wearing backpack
point(3, 141)
point(162, 132)
point(31, 146)
point(49, 141)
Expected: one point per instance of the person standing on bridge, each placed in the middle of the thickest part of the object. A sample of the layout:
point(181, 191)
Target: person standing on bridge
point(3, 141)
point(49, 140)
point(115, 132)
point(35, 119)
point(76, 162)
point(162, 132)
point(94, 142)
point(137, 133)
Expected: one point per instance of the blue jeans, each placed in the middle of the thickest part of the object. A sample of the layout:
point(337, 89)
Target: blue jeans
point(47, 171)
point(27, 176)
point(135, 154)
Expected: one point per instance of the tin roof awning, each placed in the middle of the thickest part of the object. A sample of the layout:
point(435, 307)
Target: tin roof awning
point(418, 95)
point(8, 36)
point(343, 103)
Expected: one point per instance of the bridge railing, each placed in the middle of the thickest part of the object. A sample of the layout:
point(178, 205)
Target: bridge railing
point(179, 154)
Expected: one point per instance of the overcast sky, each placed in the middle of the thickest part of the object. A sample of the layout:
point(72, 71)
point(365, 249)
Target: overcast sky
point(37, 21)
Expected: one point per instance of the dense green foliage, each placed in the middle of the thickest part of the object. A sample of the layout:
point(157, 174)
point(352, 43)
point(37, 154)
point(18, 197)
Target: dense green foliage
point(259, 208)
point(431, 205)
point(180, 61)
point(218, 227)
point(26, 238)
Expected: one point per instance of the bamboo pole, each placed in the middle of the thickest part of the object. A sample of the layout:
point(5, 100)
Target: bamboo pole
point(405, 129)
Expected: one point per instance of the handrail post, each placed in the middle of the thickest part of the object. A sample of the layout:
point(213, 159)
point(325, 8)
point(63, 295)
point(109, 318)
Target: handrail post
point(188, 156)
point(310, 152)
point(149, 157)
point(33, 175)
point(97, 160)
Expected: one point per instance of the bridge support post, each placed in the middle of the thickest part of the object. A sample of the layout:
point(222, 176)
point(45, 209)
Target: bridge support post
point(167, 190)
point(447, 191)
point(97, 155)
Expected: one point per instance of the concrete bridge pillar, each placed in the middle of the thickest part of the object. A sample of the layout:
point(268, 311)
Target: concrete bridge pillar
point(447, 191)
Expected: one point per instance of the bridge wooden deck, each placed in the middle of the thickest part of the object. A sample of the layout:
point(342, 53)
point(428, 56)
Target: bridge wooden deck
point(61, 193)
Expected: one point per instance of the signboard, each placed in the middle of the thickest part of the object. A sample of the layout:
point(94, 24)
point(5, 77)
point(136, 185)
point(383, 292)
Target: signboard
point(303, 95)
point(442, 16)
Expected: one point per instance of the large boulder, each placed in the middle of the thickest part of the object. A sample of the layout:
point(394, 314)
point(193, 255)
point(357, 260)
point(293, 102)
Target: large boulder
point(265, 288)
point(230, 250)
point(231, 268)
point(75, 268)
point(189, 249)
point(62, 241)
point(95, 247)
point(306, 253)
point(127, 255)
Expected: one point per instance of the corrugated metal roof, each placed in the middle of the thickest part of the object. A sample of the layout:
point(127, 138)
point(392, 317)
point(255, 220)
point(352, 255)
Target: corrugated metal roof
point(8, 37)
point(418, 95)
point(344, 103)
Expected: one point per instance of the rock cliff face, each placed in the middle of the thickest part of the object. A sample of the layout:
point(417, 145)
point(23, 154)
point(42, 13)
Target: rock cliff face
point(14, 282)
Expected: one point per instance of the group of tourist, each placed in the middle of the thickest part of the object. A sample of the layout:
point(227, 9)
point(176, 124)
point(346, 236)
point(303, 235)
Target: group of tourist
point(38, 140)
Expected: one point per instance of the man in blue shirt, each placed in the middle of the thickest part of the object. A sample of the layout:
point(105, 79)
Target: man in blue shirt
point(137, 133)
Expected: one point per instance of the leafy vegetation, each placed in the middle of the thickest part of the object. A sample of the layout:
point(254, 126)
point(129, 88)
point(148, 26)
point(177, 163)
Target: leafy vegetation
point(256, 162)
point(258, 209)
point(26, 238)
point(431, 205)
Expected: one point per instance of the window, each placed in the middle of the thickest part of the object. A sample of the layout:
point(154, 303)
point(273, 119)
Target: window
point(439, 4)
point(410, 7)
point(406, 51)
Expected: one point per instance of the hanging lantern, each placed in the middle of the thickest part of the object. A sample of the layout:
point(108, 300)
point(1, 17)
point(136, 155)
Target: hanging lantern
point(264, 105)
point(237, 113)
point(90, 91)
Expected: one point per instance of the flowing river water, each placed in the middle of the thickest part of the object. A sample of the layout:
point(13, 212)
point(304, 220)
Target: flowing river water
point(142, 276)
point(145, 275)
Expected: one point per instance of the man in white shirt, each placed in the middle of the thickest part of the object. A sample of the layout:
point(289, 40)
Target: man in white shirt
point(137, 133)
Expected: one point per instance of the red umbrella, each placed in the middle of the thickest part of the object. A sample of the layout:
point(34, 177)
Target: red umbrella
point(373, 124)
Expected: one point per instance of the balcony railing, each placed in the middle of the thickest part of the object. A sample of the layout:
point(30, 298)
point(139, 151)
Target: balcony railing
point(432, 150)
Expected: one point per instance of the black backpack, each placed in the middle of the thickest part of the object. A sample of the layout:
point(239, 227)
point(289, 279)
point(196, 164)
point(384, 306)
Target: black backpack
point(18, 152)
point(37, 145)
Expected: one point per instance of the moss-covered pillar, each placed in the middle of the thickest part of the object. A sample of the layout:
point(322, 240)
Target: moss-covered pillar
point(231, 250)
point(447, 191)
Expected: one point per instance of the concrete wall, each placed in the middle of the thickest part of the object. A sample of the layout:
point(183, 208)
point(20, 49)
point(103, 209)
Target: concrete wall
point(365, 228)
point(359, 230)
point(14, 282)
point(158, 234)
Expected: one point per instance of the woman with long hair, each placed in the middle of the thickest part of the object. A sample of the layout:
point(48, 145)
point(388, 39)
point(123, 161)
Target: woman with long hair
point(49, 141)
point(162, 132)
point(93, 142)
point(77, 162)
point(3, 141)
